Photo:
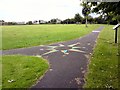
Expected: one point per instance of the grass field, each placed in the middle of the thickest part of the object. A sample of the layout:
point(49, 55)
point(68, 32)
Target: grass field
point(22, 71)
point(103, 67)
point(102, 70)
point(32, 35)
point(0, 73)
point(0, 59)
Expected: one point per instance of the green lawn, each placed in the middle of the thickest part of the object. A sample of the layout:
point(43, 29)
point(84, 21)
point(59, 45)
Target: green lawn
point(32, 35)
point(103, 67)
point(0, 59)
point(0, 73)
point(25, 70)
point(22, 71)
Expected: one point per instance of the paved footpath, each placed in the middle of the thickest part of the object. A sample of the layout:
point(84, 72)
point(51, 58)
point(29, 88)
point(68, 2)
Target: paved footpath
point(68, 61)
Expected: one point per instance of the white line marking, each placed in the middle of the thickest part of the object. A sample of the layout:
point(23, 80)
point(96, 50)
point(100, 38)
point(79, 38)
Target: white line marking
point(95, 31)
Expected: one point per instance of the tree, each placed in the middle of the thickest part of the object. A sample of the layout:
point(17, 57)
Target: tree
point(78, 18)
point(2, 22)
point(68, 21)
point(111, 10)
point(86, 10)
point(29, 22)
point(53, 21)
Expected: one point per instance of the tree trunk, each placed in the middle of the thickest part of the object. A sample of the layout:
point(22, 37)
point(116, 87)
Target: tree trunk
point(86, 22)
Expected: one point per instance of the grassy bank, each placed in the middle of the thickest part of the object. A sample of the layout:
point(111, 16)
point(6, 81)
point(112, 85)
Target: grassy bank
point(103, 67)
point(22, 71)
point(32, 35)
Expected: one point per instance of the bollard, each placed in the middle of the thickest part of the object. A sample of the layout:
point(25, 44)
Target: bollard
point(116, 32)
point(116, 35)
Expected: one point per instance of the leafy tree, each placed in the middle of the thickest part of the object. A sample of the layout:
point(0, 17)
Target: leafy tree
point(111, 10)
point(68, 21)
point(29, 23)
point(86, 10)
point(72, 21)
point(78, 18)
point(53, 21)
point(11, 23)
point(2, 22)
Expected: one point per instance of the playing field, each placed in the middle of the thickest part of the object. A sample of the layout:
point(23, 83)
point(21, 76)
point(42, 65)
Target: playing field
point(102, 69)
point(16, 68)
point(33, 35)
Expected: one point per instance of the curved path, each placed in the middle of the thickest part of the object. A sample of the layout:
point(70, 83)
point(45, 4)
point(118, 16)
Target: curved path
point(68, 61)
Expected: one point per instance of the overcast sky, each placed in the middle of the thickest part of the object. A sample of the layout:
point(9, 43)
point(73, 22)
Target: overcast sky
point(25, 10)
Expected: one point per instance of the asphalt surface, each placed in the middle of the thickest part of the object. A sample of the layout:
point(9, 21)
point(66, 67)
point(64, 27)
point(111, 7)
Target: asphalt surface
point(68, 61)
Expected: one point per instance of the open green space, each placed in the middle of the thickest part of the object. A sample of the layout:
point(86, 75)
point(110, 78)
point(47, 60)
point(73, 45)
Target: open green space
point(0, 59)
point(0, 73)
point(32, 35)
point(22, 71)
point(103, 67)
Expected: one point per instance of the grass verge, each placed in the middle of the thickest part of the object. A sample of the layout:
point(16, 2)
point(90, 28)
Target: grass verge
point(32, 35)
point(103, 67)
point(22, 71)
point(0, 59)
point(0, 73)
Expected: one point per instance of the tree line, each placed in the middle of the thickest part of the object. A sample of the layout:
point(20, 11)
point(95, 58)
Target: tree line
point(109, 14)
point(77, 19)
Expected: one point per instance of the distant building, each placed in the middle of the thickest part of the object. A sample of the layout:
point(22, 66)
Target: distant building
point(2, 22)
point(35, 22)
point(58, 21)
point(20, 23)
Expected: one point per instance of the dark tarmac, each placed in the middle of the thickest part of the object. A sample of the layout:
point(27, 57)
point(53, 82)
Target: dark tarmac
point(68, 61)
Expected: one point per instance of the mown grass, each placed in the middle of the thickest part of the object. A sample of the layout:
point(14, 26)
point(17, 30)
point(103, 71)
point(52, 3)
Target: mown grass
point(0, 73)
point(32, 35)
point(0, 59)
point(103, 67)
point(23, 70)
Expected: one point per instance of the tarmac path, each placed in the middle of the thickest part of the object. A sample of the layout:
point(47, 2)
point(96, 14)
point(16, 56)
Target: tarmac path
point(68, 61)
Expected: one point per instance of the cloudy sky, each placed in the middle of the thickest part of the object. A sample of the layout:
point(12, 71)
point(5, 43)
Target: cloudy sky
point(25, 10)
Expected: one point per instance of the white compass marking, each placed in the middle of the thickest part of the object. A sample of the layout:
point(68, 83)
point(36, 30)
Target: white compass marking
point(61, 45)
point(75, 50)
point(75, 47)
point(52, 46)
point(73, 44)
point(52, 51)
